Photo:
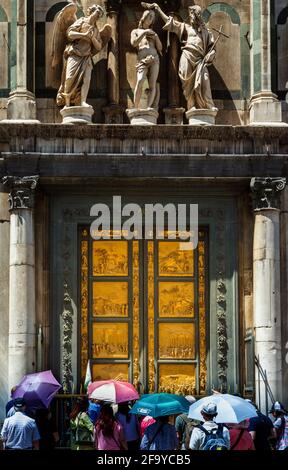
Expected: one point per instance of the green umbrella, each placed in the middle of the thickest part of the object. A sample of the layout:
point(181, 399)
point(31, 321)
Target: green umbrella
point(160, 404)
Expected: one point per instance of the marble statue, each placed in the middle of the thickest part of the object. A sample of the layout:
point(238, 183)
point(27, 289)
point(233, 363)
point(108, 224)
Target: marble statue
point(198, 52)
point(149, 48)
point(75, 42)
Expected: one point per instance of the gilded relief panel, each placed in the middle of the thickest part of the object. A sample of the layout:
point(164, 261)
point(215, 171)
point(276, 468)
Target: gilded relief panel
point(177, 378)
point(110, 258)
point(174, 261)
point(176, 299)
point(110, 372)
point(176, 340)
point(110, 340)
point(110, 299)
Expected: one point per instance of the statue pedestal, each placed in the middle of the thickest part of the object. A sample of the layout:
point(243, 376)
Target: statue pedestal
point(200, 117)
point(77, 114)
point(174, 115)
point(142, 117)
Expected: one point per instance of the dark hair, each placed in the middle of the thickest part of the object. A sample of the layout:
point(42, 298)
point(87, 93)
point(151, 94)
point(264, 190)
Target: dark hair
point(81, 405)
point(106, 420)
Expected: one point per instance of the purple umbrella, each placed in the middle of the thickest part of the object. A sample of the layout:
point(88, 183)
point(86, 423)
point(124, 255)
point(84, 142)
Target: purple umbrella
point(37, 389)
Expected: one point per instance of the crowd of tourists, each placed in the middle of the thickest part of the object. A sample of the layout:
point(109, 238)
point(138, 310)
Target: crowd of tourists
point(95, 424)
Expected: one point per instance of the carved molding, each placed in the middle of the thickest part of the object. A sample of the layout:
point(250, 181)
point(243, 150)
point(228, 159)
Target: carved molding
point(67, 316)
point(22, 191)
point(266, 192)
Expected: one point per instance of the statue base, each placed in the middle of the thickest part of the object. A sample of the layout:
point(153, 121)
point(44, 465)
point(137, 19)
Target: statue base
point(77, 114)
point(201, 117)
point(142, 117)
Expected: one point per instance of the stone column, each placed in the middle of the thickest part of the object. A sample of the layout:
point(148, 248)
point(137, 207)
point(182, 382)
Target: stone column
point(21, 103)
point(264, 105)
point(22, 318)
point(266, 285)
point(4, 298)
point(173, 113)
point(113, 111)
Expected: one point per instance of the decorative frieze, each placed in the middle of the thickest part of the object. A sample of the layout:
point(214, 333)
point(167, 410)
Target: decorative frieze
point(67, 317)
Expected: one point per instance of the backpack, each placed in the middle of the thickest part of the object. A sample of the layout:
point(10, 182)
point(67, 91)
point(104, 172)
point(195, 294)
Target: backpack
point(214, 439)
point(190, 424)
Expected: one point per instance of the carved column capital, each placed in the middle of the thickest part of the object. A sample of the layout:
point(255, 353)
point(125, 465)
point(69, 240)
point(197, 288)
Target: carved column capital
point(22, 191)
point(266, 192)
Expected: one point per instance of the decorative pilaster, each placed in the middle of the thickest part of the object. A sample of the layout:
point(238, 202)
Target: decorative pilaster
point(21, 102)
point(22, 317)
point(266, 285)
point(173, 113)
point(67, 317)
point(264, 105)
point(113, 112)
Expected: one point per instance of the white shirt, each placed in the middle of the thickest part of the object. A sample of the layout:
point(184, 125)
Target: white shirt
point(198, 436)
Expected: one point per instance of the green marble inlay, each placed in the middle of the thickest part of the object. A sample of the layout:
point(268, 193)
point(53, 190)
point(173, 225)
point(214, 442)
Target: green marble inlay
point(256, 20)
point(13, 51)
point(257, 72)
point(3, 16)
point(235, 18)
point(245, 61)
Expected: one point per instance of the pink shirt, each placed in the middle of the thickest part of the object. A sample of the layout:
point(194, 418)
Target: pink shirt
point(109, 442)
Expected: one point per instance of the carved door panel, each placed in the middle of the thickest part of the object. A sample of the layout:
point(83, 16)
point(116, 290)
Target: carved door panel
point(143, 313)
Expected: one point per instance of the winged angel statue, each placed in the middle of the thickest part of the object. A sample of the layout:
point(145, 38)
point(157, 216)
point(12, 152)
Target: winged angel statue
point(74, 43)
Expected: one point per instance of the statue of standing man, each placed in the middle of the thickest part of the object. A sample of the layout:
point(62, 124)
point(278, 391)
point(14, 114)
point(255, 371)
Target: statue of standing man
point(149, 48)
point(197, 53)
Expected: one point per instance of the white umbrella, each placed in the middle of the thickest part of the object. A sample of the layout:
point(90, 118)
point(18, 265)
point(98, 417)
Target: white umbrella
point(230, 409)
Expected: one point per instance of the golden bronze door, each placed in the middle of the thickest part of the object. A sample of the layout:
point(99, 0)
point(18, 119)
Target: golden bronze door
point(144, 312)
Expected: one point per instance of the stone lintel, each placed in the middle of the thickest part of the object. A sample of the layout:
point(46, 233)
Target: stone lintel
point(266, 192)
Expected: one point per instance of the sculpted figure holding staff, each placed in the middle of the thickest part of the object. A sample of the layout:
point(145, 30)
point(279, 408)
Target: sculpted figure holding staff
point(198, 51)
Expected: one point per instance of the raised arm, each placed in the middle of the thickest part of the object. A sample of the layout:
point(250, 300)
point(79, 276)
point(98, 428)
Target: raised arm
point(157, 8)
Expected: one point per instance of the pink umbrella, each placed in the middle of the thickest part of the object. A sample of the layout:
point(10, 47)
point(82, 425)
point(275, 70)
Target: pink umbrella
point(113, 391)
point(37, 389)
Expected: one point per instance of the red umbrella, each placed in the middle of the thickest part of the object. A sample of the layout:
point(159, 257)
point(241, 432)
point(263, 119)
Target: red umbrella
point(113, 391)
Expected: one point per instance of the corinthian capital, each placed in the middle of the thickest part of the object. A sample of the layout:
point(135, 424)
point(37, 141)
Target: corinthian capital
point(266, 192)
point(22, 189)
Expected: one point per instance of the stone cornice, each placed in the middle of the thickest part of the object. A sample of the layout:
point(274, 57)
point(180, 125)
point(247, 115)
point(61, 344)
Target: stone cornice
point(22, 189)
point(266, 192)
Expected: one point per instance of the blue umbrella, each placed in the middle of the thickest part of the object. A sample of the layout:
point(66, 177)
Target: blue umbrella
point(230, 409)
point(160, 404)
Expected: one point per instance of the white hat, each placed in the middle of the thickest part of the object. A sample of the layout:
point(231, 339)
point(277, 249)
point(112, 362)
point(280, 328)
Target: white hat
point(210, 409)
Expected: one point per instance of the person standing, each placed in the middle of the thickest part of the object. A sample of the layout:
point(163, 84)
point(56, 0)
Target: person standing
point(20, 432)
point(81, 426)
point(160, 436)
point(184, 426)
point(280, 425)
point(209, 431)
point(261, 430)
point(108, 432)
point(47, 429)
point(240, 438)
point(130, 425)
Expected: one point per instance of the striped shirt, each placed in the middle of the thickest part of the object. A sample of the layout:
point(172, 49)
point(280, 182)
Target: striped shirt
point(19, 431)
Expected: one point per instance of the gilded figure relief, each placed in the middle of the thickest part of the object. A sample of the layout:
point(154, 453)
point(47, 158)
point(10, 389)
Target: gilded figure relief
point(110, 299)
point(176, 341)
point(173, 261)
point(110, 258)
point(110, 371)
point(177, 378)
point(176, 299)
point(110, 340)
